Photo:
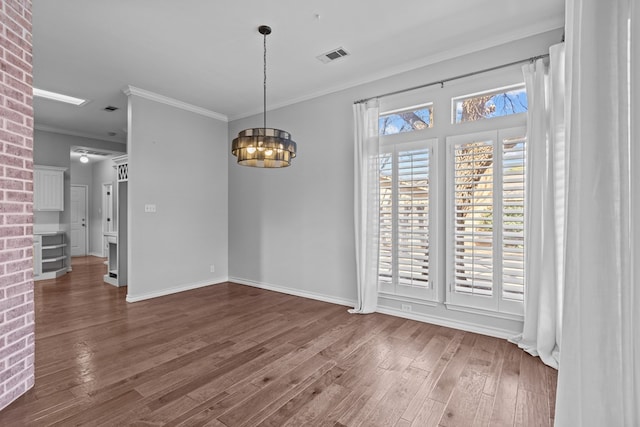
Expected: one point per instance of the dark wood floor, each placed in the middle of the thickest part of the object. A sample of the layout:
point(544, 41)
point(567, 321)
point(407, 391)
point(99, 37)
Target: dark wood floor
point(231, 355)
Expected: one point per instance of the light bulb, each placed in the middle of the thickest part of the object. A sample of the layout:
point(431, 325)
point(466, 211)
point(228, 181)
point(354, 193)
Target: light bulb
point(269, 152)
point(251, 150)
point(84, 159)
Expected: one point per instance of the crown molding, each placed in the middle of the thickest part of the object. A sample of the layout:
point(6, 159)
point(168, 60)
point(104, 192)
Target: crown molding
point(132, 90)
point(52, 129)
point(523, 32)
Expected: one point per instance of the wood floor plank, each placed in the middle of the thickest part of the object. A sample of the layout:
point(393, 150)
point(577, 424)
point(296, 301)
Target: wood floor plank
point(270, 398)
point(310, 404)
point(483, 414)
point(532, 409)
point(432, 352)
point(531, 373)
point(507, 392)
point(429, 415)
point(493, 375)
point(552, 383)
point(397, 398)
point(451, 375)
point(232, 355)
point(422, 396)
point(368, 400)
point(465, 399)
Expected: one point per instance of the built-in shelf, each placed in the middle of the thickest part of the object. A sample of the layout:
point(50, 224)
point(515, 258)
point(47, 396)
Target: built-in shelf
point(61, 245)
point(53, 259)
point(50, 259)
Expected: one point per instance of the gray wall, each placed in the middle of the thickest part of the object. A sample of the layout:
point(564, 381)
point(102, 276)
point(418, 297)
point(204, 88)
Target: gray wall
point(177, 161)
point(292, 229)
point(81, 173)
point(53, 149)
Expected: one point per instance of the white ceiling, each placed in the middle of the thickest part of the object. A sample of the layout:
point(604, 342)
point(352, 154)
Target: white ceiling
point(209, 53)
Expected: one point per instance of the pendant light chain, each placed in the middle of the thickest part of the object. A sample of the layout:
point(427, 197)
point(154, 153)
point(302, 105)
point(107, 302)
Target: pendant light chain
point(265, 85)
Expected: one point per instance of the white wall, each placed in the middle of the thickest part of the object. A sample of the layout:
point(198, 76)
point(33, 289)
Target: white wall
point(177, 161)
point(292, 229)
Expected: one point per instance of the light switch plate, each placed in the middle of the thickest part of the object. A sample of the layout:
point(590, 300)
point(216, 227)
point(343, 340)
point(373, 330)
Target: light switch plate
point(150, 208)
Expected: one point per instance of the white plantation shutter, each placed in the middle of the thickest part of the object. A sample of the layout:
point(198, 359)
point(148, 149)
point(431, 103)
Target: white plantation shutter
point(406, 171)
point(386, 258)
point(473, 212)
point(413, 217)
point(513, 166)
point(485, 220)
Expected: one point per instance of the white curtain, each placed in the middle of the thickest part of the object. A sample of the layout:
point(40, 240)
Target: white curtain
point(366, 204)
point(598, 382)
point(545, 199)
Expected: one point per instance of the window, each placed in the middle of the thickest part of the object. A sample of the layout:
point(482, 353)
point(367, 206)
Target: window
point(405, 219)
point(485, 220)
point(489, 104)
point(451, 212)
point(406, 120)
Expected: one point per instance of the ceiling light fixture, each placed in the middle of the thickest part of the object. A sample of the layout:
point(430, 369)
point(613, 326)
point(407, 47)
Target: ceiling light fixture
point(58, 97)
point(84, 159)
point(264, 147)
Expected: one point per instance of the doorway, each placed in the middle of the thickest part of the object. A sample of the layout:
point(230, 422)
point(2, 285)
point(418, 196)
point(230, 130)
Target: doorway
point(108, 217)
point(79, 208)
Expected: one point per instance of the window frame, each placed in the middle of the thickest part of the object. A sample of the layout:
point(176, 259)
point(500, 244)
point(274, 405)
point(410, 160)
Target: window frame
point(441, 99)
point(392, 144)
point(494, 303)
point(411, 108)
point(495, 91)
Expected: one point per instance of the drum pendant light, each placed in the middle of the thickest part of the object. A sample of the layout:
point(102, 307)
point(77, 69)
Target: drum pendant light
point(264, 147)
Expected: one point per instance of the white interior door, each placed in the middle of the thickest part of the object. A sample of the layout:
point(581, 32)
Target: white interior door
point(78, 220)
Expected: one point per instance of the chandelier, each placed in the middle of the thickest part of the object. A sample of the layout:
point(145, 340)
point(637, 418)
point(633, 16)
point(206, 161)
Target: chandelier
point(264, 147)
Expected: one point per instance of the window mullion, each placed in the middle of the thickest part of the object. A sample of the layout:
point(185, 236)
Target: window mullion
point(394, 214)
point(497, 219)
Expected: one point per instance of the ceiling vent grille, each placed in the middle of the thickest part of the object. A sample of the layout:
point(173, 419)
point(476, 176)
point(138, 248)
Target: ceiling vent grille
point(333, 55)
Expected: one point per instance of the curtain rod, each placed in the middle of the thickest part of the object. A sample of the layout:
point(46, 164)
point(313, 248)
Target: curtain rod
point(461, 76)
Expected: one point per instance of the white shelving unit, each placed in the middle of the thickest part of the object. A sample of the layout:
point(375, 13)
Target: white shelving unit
point(50, 254)
point(112, 261)
point(116, 241)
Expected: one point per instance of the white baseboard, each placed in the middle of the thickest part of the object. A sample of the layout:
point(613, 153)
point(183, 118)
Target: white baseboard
point(96, 254)
point(291, 291)
point(450, 323)
point(176, 289)
point(420, 317)
point(436, 320)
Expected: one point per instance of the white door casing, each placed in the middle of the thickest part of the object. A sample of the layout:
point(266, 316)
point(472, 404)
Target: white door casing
point(79, 220)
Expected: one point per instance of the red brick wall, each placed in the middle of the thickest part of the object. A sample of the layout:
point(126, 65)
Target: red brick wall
point(16, 195)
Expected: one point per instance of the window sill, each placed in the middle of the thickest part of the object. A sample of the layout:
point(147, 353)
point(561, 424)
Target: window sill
point(496, 314)
point(411, 300)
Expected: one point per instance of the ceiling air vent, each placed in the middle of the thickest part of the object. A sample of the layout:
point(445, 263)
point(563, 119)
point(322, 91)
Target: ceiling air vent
point(331, 56)
point(110, 108)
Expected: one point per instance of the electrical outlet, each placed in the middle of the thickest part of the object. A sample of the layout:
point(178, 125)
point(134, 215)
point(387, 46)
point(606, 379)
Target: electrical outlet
point(212, 268)
point(406, 307)
point(150, 208)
